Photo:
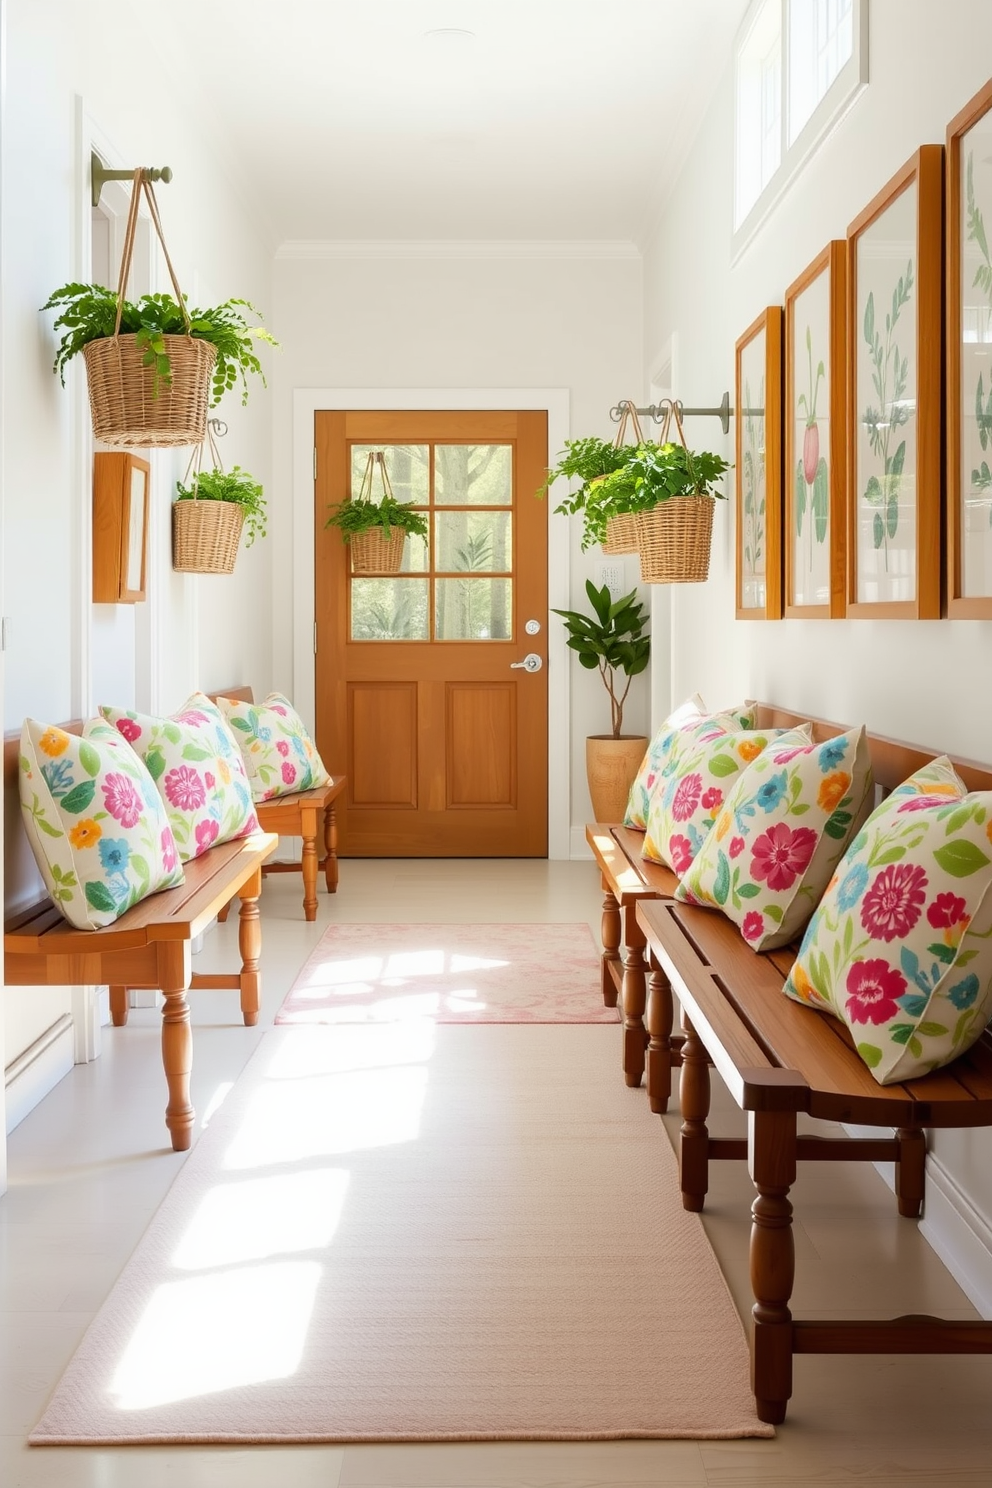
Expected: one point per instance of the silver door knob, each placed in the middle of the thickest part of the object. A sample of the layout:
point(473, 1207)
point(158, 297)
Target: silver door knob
point(530, 663)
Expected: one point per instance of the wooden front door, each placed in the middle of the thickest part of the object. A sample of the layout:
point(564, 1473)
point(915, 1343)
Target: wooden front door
point(421, 700)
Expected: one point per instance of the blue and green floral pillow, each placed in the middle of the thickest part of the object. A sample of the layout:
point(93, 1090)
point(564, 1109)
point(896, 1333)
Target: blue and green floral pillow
point(95, 822)
point(279, 755)
point(900, 947)
point(779, 836)
point(684, 723)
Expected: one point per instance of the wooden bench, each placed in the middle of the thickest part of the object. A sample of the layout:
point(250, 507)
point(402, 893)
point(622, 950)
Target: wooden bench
point(301, 814)
point(779, 1059)
point(150, 946)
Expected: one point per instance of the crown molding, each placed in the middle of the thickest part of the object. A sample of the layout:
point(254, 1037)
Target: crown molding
point(451, 248)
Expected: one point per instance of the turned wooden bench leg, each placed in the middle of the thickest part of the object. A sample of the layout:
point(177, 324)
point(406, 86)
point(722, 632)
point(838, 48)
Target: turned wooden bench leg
point(308, 861)
point(610, 934)
point(658, 1061)
point(331, 849)
point(118, 1006)
point(633, 990)
point(694, 1140)
point(772, 1165)
point(911, 1171)
point(250, 946)
point(177, 1041)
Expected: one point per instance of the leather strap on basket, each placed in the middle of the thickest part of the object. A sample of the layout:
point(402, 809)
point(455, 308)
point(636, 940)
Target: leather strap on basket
point(375, 460)
point(629, 422)
point(196, 461)
point(142, 184)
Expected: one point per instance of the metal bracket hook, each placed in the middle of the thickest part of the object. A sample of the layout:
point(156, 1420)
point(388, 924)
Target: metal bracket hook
point(100, 174)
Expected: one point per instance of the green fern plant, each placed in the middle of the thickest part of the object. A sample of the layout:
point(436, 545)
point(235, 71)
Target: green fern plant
point(353, 517)
point(88, 312)
point(230, 485)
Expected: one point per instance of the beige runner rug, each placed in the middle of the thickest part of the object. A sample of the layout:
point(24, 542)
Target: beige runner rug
point(423, 1233)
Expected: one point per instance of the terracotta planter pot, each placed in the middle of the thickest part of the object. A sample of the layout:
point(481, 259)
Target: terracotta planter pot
point(611, 765)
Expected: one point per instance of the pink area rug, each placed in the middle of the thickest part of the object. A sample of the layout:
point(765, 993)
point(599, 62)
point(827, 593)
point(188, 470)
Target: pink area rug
point(450, 974)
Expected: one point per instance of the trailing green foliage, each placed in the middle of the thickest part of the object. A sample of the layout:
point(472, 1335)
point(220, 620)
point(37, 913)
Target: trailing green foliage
point(612, 641)
point(88, 312)
point(585, 460)
point(652, 473)
point(231, 485)
point(353, 517)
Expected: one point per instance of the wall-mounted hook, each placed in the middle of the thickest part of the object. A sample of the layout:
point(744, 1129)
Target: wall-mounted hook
point(657, 411)
point(100, 174)
point(219, 427)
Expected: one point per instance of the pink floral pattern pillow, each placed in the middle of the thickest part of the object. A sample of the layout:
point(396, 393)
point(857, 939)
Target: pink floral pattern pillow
point(692, 787)
point(278, 752)
point(195, 763)
point(684, 721)
point(95, 822)
point(900, 947)
point(779, 835)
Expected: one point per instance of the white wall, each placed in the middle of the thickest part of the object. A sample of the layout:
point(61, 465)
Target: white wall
point(914, 680)
point(69, 80)
point(470, 316)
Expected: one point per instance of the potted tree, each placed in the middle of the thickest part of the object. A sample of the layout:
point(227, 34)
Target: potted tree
point(611, 641)
point(208, 517)
point(376, 531)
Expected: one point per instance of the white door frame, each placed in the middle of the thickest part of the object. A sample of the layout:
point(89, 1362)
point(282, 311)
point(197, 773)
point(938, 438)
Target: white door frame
point(553, 401)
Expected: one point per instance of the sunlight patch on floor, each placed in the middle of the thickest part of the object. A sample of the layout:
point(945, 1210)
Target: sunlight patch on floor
point(262, 1217)
point(212, 1333)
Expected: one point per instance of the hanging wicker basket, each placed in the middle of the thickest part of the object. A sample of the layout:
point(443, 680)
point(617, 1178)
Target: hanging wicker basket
point(131, 409)
point(374, 553)
point(621, 534)
point(205, 536)
point(205, 533)
point(132, 405)
point(673, 540)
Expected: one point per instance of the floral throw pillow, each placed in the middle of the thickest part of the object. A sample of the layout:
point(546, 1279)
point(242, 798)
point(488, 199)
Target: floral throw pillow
point(95, 822)
point(692, 787)
point(687, 717)
point(900, 947)
point(195, 763)
point(779, 836)
point(279, 754)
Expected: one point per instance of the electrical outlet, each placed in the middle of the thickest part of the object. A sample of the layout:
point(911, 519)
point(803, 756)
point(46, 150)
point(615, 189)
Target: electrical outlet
point(612, 575)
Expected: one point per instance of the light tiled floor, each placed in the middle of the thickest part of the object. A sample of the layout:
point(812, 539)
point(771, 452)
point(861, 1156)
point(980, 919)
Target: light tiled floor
point(89, 1166)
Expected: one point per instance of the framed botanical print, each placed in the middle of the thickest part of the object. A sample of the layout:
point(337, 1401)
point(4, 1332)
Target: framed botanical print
point(816, 438)
point(759, 468)
point(969, 360)
point(894, 296)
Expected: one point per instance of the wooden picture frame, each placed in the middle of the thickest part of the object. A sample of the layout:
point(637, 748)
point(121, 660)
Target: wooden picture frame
point(895, 275)
point(120, 527)
point(969, 360)
point(815, 521)
point(759, 468)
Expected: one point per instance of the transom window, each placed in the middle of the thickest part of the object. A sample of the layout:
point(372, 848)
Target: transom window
point(799, 64)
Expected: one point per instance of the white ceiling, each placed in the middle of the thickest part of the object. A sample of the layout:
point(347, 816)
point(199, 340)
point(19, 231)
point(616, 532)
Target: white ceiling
point(464, 119)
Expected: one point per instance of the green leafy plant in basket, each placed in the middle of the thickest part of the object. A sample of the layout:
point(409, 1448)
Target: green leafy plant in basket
point(234, 485)
point(585, 460)
point(359, 515)
point(612, 641)
point(651, 474)
point(88, 312)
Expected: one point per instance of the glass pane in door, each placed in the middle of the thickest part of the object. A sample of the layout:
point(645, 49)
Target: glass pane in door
point(389, 610)
point(473, 541)
point(408, 468)
point(473, 474)
point(473, 609)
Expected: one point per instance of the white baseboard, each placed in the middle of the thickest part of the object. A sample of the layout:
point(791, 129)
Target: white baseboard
point(38, 1070)
point(951, 1226)
point(578, 846)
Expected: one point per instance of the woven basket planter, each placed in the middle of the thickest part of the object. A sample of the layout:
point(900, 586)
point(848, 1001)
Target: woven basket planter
point(205, 536)
point(673, 540)
point(621, 534)
point(132, 408)
point(374, 553)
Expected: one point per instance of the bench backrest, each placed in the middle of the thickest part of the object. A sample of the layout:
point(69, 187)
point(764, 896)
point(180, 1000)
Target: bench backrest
point(892, 760)
point(239, 694)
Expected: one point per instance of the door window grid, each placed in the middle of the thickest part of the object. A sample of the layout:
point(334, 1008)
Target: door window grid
point(469, 601)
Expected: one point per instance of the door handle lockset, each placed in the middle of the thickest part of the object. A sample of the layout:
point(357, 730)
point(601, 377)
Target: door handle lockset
point(531, 663)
